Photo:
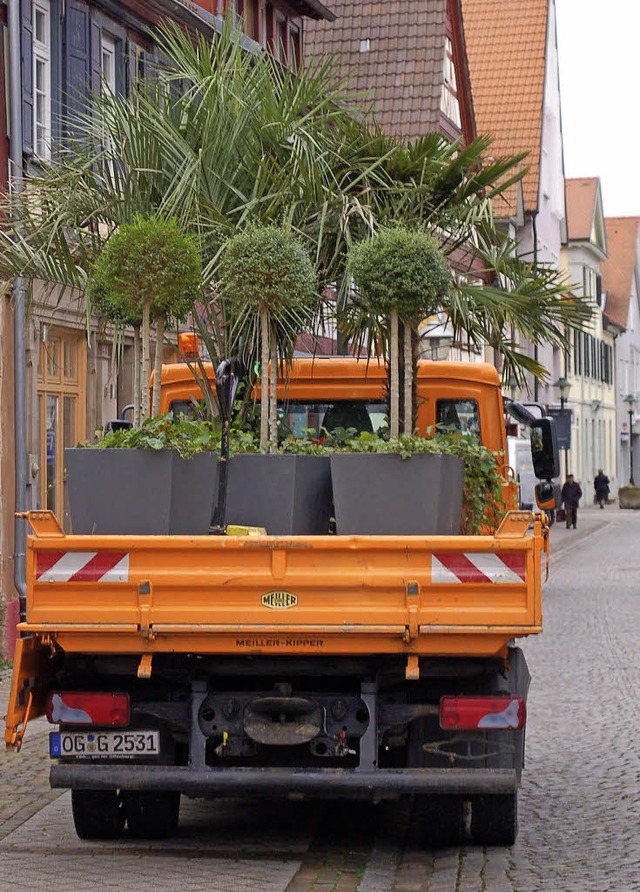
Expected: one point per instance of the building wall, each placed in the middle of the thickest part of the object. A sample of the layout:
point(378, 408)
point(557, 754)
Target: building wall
point(628, 382)
point(544, 229)
point(7, 494)
point(592, 400)
point(7, 592)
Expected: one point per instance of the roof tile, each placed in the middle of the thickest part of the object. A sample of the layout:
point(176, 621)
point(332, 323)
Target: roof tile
point(581, 207)
point(506, 47)
point(623, 247)
point(403, 70)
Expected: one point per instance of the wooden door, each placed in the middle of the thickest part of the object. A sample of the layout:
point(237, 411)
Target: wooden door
point(62, 412)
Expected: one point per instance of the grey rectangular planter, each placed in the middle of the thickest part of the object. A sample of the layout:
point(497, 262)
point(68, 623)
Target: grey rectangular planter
point(285, 494)
point(385, 494)
point(140, 491)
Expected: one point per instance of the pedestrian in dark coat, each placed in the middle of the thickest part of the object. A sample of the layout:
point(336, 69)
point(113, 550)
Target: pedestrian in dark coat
point(601, 486)
point(571, 495)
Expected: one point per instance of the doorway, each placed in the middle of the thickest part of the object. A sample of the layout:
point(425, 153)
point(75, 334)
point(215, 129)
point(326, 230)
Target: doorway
point(62, 412)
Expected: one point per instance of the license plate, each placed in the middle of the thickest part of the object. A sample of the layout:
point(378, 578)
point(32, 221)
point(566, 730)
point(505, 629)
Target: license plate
point(102, 744)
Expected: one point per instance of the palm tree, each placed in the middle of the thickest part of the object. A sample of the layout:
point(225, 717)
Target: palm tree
point(222, 137)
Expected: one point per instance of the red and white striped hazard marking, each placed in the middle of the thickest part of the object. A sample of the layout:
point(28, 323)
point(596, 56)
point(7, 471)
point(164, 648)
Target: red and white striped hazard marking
point(474, 567)
point(82, 566)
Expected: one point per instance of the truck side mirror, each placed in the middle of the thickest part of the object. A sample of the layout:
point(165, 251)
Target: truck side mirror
point(548, 495)
point(544, 449)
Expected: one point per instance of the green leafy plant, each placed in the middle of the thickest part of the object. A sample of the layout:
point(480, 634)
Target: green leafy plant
point(187, 437)
point(267, 279)
point(402, 274)
point(149, 270)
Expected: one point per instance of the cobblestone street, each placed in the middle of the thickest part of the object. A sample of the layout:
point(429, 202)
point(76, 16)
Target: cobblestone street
point(578, 803)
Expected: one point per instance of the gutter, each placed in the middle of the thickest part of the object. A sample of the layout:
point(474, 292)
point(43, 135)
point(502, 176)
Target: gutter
point(316, 10)
point(19, 316)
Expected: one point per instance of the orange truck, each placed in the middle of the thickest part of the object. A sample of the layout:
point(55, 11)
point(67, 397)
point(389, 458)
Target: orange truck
point(363, 666)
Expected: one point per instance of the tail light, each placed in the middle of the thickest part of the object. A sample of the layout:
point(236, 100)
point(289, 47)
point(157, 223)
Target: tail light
point(467, 713)
point(88, 708)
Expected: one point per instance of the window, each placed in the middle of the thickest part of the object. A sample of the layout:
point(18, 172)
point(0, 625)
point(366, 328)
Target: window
point(265, 19)
point(462, 415)
point(42, 78)
point(295, 47)
point(280, 47)
point(251, 19)
point(108, 62)
point(449, 104)
point(577, 353)
point(587, 356)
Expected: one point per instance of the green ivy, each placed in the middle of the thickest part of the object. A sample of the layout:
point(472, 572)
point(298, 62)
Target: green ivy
point(483, 503)
point(187, 437)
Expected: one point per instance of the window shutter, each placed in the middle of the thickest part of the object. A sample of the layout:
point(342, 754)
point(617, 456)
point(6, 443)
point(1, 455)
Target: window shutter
point(132, 72)
point(96, 57)
point(76, 60)
point(27, 76)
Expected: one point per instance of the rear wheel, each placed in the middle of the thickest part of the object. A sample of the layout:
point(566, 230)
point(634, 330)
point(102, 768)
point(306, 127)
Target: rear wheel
point(494, 820)
point(97, 814)
point(440, 820)
point(151, 815)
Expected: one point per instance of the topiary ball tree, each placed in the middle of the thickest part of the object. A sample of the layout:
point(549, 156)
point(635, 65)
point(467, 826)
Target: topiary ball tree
point(268, 281)
point(402, 274)
point(149, 270)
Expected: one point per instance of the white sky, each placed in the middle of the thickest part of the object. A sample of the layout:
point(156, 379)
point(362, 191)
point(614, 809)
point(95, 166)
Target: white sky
point(599, 57)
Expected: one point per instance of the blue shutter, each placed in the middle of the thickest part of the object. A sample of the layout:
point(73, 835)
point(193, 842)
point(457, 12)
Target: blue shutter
point(27, 76)
point(96, 57)
point(76, 62)
point(132, 73)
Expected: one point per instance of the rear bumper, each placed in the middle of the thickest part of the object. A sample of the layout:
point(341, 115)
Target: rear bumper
point(291, 783)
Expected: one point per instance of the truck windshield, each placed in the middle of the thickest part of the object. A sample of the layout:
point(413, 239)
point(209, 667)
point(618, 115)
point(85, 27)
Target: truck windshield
point(304, 418)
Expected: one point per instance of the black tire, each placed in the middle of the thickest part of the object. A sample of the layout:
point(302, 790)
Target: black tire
point(151, 815)
point(494, 820)
point(97, 814)
point(440, 820)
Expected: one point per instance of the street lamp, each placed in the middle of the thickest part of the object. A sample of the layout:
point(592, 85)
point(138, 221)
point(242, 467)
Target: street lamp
point(564, 387)
point(630, 399)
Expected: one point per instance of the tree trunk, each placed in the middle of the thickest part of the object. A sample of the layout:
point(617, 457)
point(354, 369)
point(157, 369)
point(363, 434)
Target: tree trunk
point(264, 377)
point(273, 394)
point(157, 366)
point(408, 379)
point(394, 387)
point(137, 394)
point(145, 368)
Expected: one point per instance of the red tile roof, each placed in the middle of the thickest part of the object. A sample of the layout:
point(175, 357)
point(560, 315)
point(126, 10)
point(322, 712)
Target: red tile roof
point(506, 46)
point(618, 270)
point(581, 207)
point(402, 69)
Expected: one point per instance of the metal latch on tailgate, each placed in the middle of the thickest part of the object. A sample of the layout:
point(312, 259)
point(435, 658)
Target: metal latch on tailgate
point(145, 604)
point(412, 601)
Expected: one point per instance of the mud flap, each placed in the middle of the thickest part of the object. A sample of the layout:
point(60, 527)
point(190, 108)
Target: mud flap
point(33, 671)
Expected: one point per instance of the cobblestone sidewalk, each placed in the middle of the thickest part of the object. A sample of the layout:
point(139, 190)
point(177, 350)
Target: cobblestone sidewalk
point(24, 776)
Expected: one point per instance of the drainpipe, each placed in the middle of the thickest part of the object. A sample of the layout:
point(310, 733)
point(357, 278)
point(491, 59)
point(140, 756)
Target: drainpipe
point(536, 387)
point(19, 316)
